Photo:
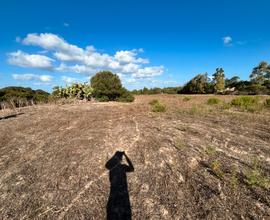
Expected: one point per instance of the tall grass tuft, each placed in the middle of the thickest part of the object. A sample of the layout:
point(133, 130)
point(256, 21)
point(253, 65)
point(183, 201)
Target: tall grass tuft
point(246, 103)
point(267, 103)
point(213, 101)
point(157, 106)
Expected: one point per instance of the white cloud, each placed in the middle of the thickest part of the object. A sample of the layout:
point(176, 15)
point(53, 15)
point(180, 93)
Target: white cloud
point(131, 80)
point(227, 40)
point(66, 24)
point(32, 77)
point(51, 42)
point(148, 72)
point(22, 59)
point(75, 68)
point(140, 82)
point(127, 56)
point(69, 80)
point(45, 78)
point(88, 60)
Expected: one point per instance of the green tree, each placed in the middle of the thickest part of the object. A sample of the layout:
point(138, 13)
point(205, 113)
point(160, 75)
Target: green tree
point(197, 85)
point(260, 73)
point(219, 80)
point(106, 84)
point(145, 90)
point(232, 81)
point(107, 87)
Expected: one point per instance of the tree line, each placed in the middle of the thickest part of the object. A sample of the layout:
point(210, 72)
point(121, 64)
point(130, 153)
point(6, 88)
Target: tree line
point(14, 96)
point(258, 84)
point(106, 86)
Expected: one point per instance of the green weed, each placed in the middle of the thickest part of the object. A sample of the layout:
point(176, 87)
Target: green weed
point(255, 177)
point(213, 101)
point(210, 150)
point(158, 107)
point(216, 168)
point(246, 103)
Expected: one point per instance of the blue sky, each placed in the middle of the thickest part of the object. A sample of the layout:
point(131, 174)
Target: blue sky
point(148, 43)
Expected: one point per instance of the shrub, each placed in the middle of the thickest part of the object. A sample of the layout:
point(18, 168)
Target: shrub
point(213, 101)
point(158, 107)
point(125, 96)
point(197, 85)
point(106, 84)
point(75, 90)
point(12, 96)
point(153, 102)
point(267, 103)
point(255, 177)
point(246, 102)
point(103, 99)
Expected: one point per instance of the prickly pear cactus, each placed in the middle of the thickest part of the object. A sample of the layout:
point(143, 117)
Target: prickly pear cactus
point(76, 90)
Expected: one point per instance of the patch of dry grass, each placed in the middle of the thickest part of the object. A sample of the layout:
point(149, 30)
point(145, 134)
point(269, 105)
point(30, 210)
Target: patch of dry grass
point(52, 159)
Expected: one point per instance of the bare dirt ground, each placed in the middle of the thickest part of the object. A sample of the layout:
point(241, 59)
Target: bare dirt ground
point(190, 162)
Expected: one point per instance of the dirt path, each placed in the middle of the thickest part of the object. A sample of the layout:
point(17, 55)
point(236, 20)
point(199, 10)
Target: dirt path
point(105, 173)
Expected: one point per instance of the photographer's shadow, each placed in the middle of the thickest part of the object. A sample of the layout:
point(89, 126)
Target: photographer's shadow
point(118, 206)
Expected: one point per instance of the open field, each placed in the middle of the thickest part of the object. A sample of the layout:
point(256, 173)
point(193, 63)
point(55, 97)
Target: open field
point(194, 161)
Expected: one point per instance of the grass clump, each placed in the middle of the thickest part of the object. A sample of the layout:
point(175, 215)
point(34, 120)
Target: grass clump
point(267, 103)
point(153, 102)
point(186, 99)
point(246, 102)
point(255, 177)
point(213, 101)
point(225, 106)
point(158, 107)
point(180, 144)
point(210, 150)
point(216, 168)
point(233, 178)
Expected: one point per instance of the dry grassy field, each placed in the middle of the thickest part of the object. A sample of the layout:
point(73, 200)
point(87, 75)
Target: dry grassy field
point(194, 161)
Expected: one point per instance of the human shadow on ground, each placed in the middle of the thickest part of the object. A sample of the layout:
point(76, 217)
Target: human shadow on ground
point(118, 206)
point(11, 116)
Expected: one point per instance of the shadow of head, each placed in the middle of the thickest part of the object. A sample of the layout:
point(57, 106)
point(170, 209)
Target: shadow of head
point(115, 160)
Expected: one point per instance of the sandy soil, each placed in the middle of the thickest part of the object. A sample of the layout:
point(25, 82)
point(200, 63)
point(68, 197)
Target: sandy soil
point(187, 164)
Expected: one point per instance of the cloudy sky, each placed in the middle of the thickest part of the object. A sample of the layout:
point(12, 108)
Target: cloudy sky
point(147, 43)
